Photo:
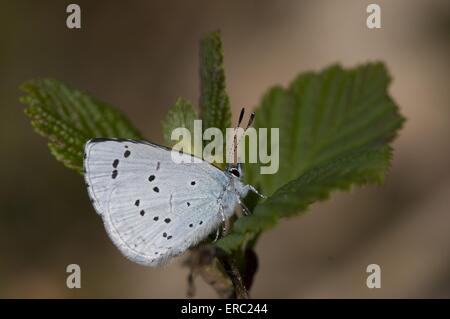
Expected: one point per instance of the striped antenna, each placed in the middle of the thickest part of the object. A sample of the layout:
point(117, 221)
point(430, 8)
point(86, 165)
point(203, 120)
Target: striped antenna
point(250, 120)
point(235, 142)
point(241, 116)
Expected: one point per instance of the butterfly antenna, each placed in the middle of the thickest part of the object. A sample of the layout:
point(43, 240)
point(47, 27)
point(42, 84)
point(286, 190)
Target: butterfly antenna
point(249, 124)
point(235, 141)
point(250, 120)
point(241, 116)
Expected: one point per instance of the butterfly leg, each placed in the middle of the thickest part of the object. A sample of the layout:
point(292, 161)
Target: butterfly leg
point(224, 226)
point(254, 190)
point(224, 220)
point(244, 208)
point(217, 235)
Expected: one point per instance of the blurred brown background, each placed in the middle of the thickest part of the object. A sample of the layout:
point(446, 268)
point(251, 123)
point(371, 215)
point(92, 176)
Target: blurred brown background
point(142, 55)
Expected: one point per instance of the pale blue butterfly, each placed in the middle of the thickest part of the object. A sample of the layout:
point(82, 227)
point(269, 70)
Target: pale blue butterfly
point(153, 208)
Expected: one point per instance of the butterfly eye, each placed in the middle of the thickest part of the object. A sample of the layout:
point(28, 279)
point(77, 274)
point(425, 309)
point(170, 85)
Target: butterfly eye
point(235, 172)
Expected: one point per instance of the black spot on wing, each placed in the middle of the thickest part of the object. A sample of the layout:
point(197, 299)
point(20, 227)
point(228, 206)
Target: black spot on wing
point(155, 218)
point(142, 212)
point(115, 163)
point(167, 220)
point(137, 202)
point(156, 189)
point(114, 173)
point(151, 178)
point(193, 183)
point(127, 153)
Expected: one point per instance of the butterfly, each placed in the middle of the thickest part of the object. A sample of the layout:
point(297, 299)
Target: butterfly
point(152, 208)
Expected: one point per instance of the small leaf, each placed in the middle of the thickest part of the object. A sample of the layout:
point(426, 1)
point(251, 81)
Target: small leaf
point(359, 168)
point(68, 118)
point(181, 114)
point(214, 102)
point(322, 116)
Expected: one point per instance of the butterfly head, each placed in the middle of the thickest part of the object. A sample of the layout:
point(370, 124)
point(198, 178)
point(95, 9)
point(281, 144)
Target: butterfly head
point(235, 173)
point(235, 170)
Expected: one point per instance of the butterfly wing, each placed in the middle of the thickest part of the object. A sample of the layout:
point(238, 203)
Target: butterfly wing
point(152, 208)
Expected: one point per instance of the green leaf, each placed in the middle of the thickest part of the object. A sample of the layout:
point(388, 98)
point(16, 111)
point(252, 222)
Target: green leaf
point(214, 102)
point(334, 129)
point(358, 168)
point(322, 116)
point(68, 118)
point(181, 114)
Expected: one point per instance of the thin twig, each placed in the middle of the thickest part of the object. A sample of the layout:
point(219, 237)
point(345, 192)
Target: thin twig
point(236, 278)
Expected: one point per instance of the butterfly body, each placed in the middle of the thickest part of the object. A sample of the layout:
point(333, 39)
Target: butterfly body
point(153, 208)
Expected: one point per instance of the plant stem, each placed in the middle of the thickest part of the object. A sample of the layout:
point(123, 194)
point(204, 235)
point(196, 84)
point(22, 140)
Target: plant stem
point(240, 291)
